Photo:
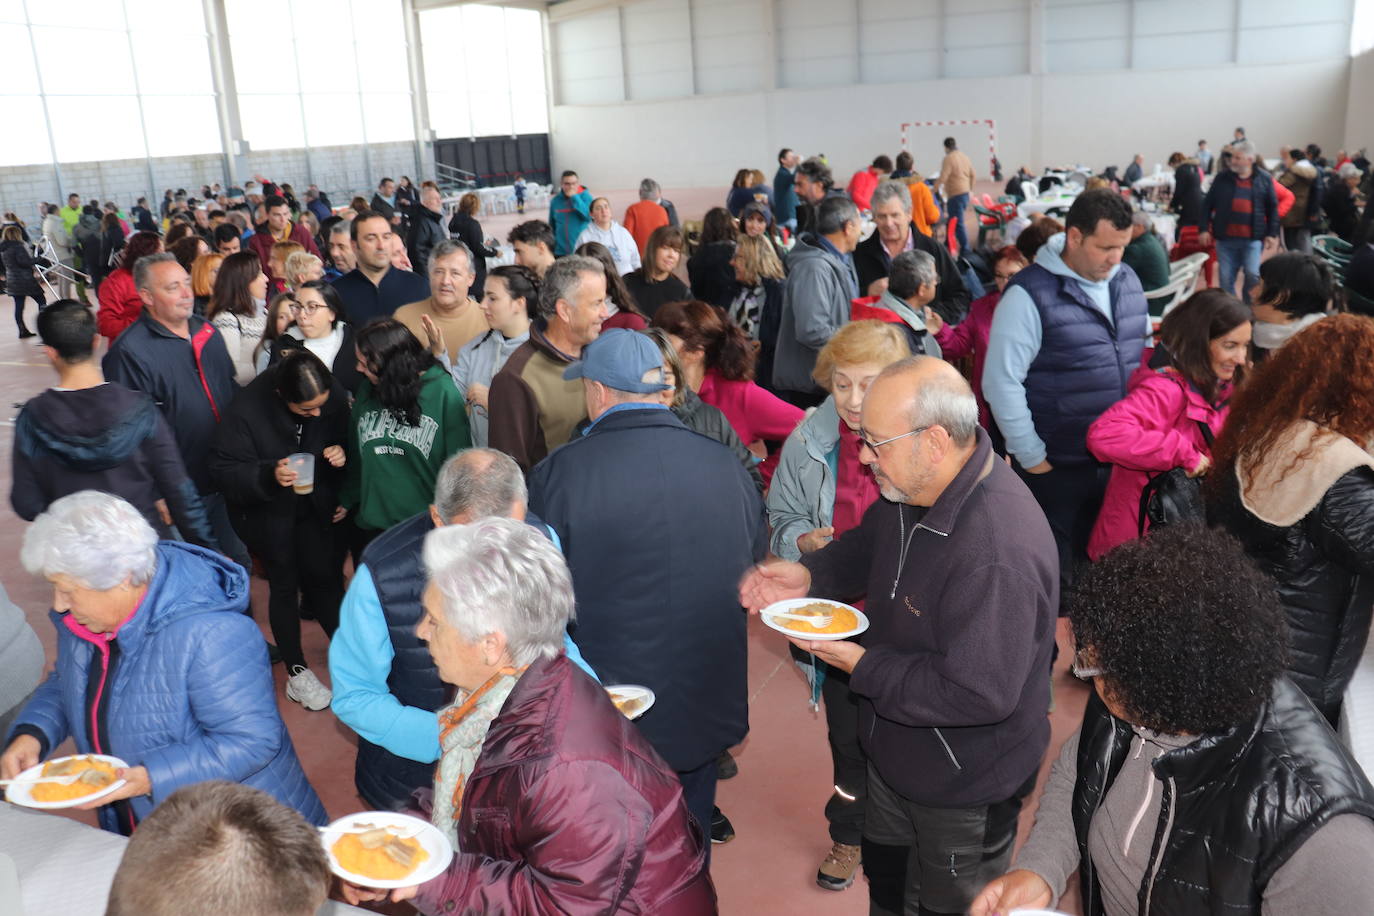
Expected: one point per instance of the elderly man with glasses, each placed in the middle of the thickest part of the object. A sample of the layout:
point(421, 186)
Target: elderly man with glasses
point(961, 576)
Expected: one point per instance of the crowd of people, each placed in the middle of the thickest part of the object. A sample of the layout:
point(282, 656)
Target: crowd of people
point(497, 488)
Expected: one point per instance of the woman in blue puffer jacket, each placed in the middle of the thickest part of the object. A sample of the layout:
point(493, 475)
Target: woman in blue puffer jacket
point(156, 664)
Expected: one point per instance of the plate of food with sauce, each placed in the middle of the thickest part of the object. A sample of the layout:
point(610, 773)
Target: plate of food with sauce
point(386, 849)
point(66, 782)
point(845, 621)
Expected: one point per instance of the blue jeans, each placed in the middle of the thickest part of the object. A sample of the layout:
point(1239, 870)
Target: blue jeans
point(1233, 256)
point(956, 206)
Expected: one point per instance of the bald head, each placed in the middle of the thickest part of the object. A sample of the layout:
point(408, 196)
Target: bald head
point(920, 424)
point(478, 483)
point(928, 392)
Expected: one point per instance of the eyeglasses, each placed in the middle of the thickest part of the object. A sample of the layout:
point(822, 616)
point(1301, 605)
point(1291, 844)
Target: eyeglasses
point(874, 446)
point(309, 308)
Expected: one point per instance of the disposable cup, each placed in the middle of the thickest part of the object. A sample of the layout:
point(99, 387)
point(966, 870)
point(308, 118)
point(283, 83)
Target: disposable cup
point(303, 463)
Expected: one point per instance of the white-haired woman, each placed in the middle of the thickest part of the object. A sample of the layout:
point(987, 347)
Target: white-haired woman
point(156, 664)
point(554, 798)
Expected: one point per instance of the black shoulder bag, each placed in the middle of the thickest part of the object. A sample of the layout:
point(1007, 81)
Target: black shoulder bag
point(1172, 496)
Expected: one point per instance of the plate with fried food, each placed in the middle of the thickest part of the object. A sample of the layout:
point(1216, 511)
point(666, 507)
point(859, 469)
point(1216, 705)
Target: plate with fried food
point(385, 849)
point(844, 620)
point(632, 700)
point(66, 782)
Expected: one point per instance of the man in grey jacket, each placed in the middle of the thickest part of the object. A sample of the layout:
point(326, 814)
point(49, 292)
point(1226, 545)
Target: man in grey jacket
point(821, 284)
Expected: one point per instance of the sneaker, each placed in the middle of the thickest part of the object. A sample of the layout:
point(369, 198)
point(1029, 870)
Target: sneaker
point(306, 689)
point(837, 871)
point(722, 831)
point(726, 768)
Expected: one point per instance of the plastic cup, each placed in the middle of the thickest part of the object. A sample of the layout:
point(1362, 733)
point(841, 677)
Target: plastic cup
point(303, 463)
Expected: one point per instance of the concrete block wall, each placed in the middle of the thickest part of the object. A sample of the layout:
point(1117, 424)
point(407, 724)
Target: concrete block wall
point(341, 171)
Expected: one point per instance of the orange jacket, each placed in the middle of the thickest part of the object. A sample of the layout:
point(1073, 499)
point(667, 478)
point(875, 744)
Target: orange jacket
point(924, 213)
point(641, 219)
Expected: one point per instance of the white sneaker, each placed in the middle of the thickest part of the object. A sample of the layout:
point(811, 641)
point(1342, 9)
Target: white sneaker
point(306, 689)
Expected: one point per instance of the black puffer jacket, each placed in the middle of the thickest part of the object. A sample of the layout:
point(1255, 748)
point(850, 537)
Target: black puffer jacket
point(1237, 804)
point(19, 263)
point(1324, 566)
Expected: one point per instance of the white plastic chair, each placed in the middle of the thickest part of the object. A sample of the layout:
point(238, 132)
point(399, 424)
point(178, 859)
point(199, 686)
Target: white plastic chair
point(1192, 263)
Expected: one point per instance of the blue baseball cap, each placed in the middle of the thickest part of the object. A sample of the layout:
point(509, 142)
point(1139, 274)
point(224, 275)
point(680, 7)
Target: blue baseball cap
point(619, 359)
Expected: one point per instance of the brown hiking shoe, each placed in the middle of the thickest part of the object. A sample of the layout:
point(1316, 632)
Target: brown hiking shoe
point(837, 871)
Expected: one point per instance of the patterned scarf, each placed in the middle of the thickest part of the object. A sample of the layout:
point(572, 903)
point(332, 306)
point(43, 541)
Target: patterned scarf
point(462, 730)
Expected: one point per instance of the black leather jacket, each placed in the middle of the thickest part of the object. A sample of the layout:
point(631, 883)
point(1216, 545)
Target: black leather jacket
point(1236, 804)
point(1324, 566)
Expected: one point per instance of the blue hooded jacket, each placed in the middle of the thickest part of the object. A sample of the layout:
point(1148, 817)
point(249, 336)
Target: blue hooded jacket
point(191, 696)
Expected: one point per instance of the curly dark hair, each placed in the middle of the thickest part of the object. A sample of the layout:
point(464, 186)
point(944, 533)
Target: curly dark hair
point(1188, 632)
point(398, 359)
point(1324, 374)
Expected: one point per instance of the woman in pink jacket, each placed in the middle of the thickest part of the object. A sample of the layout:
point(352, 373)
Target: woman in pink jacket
point(1187, 381)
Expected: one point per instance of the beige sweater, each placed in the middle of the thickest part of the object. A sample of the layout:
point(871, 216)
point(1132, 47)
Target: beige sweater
point(956, 174)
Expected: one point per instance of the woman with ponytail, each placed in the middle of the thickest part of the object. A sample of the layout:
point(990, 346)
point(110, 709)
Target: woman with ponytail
point(718, 364)
point(508, 303)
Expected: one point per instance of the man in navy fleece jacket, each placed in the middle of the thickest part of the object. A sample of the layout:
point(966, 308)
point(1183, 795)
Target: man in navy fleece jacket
point(961, 576)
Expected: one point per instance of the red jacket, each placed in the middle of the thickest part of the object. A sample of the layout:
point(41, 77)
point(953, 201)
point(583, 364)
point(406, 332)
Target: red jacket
point(862, 186)
point(120, 304)
point(970, 338)
point(261, 243)
point(570, 810)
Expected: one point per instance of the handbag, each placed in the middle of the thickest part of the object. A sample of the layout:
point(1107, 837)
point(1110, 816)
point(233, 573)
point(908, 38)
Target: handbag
point(1172, 497)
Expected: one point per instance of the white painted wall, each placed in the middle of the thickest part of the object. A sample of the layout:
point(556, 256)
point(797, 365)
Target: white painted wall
point(1052, 119)
point(1359, 110)
point(689, 91)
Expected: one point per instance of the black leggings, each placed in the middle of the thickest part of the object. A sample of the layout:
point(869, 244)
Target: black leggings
point(304, 562)
point(19, 307)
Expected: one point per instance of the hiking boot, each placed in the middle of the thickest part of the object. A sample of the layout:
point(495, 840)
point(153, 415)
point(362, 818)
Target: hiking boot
point(726, 768)
point(837, 871)
point(722, 831)
point(306, 689)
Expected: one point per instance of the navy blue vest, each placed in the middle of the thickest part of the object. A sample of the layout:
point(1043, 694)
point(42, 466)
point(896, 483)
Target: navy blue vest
point(1084, 359)
point(394, 560)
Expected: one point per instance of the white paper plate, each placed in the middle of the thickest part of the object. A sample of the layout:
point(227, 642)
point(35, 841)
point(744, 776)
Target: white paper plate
point(20, 793)
point(633, 692)
point(792, 603)
point(431, 839)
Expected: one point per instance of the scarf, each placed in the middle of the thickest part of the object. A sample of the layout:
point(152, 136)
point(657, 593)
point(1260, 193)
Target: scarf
point(462, 730)
point(1282, 492)
point(1270, 336)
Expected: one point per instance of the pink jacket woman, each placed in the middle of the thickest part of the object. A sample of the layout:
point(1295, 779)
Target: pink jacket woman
point(1150, 431)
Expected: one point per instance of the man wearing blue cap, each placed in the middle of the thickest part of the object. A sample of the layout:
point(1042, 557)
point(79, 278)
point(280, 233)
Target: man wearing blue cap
point(658, 524)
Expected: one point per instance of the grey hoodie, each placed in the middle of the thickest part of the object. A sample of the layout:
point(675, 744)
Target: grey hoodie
point(821, 284)
point(477, 364)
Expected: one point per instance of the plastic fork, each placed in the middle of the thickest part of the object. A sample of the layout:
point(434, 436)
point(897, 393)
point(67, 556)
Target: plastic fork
point(817, 622)
point(391, 829)
point(94, 778)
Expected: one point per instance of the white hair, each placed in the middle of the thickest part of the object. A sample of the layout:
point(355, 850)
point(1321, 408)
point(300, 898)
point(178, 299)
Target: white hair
point(95, 538)
point(1348, 170)
point(498, 575)
point(1243, 148)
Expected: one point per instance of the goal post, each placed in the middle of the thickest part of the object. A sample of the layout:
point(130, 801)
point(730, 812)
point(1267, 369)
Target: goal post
point(981, 124)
